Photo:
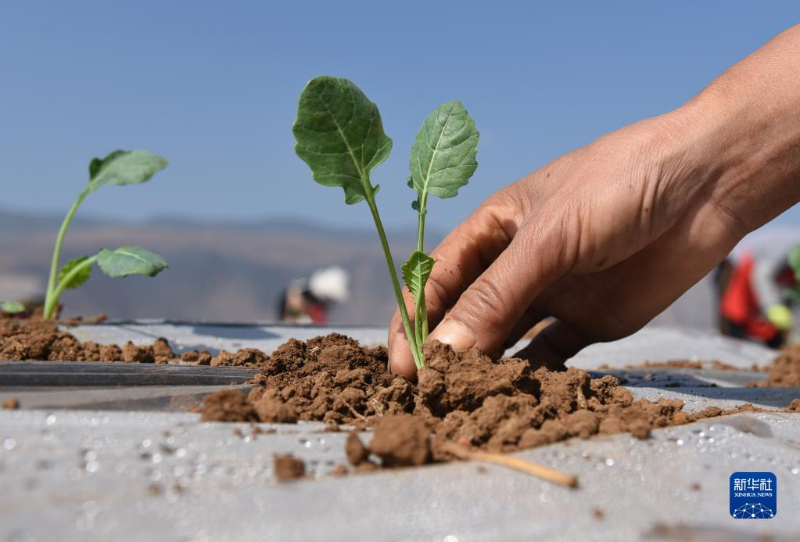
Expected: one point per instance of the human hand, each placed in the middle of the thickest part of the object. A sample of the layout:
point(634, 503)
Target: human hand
point(603, 239)
point(606, 237)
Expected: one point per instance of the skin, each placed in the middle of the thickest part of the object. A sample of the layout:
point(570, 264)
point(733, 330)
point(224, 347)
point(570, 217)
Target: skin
point(606, 237)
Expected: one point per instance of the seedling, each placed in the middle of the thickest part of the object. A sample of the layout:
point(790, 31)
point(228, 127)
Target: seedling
point(340, 136)
point(12, 307)
point(118, 168)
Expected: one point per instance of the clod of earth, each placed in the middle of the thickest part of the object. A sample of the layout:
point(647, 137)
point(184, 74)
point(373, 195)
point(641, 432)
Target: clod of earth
point(37, 339)
point(287, 467)
point(228, 406)
point(78, 320)
point(785, 370)
point(356, 452)
point(11, 404)
point(401, 440)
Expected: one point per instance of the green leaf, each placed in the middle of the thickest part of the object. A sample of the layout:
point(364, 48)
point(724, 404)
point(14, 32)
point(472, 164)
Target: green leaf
point(12, 307)
point(794, 260)
point(124, 167)
point(340, 136)
point(416, 272)
point(443, 154)
point(78, 279)
point(128, 260)
point(97, 163)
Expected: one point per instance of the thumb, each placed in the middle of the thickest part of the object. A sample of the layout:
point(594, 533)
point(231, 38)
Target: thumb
point(489, 308)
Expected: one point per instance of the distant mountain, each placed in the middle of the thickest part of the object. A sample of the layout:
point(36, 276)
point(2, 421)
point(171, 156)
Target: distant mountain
point(226, 271)
point(235, 271)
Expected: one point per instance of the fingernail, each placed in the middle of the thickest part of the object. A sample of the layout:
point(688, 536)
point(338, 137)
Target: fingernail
point(455, 334)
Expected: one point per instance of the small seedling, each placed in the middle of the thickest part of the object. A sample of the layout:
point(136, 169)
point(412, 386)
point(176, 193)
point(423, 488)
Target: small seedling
point(12, 307)
point(118, 168)
point(340, 136)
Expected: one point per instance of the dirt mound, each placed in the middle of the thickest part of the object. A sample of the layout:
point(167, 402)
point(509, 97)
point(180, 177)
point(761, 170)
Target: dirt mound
point(331, 379)
point(37, 339)
point(505, 405)
point(784, 371)
point(464, 397)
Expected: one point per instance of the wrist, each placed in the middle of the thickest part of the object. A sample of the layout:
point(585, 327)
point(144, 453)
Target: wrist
point(742, 135)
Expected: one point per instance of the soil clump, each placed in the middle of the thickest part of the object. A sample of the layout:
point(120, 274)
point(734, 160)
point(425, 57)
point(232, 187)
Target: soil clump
point(287, 467)
point(784, 371)
point(227, 406)
point(78, 320)
point(467, 398)
point(36, 339)
point(401, 440)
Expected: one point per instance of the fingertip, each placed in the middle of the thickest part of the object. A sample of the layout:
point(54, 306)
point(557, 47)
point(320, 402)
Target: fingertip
point(455, 334)
point(401, 362)
point(404, 368)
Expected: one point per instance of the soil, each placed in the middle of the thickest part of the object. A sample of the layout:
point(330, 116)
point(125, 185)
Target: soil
point(497, 406)
point(227, 406)
point(78, 320)
point(469, 398)
point(287, 467)
point(11, 404)
point(357, 453)
point(401, 440)
point(784, 371)
point(37, 339)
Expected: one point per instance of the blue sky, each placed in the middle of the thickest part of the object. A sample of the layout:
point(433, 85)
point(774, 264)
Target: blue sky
point(213, 86)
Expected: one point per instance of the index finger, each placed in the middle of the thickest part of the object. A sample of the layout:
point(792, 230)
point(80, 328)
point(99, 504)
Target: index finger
point(460, 259)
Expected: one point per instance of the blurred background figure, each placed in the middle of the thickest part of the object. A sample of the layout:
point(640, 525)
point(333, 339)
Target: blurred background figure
point(756, 295)
point(309, 300)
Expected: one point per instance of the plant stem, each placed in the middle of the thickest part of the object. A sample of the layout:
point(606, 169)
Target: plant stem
point(66, 280)
point(517, 463)
point(421, 321)
point(418, 330)
point(50, 299)
point(412, 342)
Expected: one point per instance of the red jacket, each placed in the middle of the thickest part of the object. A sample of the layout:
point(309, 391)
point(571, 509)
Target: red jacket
point(739, 303)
